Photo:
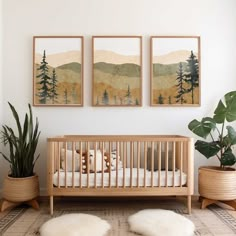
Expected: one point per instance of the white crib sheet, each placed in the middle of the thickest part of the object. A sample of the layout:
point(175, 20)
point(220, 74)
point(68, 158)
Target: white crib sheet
point(63, 178)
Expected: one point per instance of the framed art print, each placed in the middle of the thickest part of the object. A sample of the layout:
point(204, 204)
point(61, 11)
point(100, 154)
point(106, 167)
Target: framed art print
point(117, 71)
point(58, 71)
point(175, 71)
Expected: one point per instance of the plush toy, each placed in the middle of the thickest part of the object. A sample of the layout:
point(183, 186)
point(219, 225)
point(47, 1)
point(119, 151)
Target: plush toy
point(88, 161)
point(112, 158)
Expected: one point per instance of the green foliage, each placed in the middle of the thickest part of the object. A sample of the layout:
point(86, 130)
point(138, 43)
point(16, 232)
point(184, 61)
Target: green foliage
point(221, 145)
point(167, 69)
point(126, 69)
point(73, 66)
point(22, 146)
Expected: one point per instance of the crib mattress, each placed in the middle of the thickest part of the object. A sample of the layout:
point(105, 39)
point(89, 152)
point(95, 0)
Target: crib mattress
point(110, 179)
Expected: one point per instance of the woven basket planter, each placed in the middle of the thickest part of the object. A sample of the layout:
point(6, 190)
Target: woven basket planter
point(217, 184)
point(21, 189)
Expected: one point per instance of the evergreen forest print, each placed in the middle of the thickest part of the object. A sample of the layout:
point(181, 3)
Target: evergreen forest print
point(175, 72)
point(58, 75)
point(117, 71)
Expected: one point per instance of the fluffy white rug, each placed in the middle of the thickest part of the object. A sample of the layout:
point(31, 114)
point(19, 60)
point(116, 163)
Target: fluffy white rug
point(156, 222)
point(75, 224)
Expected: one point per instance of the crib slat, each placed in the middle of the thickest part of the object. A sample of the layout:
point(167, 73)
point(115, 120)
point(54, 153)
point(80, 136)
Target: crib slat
point(145, 163)
point(58, 165)
point(159, 163)
point(152, 162)
point(138, 163)
point(166, 163)
point(124, 162)
point(117, 155)
point(95, 165)
point(110, 147)
point(181, 163)
point(81, 164)
point(73, 164)
point(88, 163)
point(131, 163)
point(103, 152)
point(173, 163)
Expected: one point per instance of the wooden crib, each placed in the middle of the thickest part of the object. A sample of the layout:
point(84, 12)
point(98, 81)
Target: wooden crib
point(120, 165)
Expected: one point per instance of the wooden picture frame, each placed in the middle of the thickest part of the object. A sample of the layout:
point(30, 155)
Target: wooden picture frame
point(175, 71)
point(117, 71)
point(58, 71)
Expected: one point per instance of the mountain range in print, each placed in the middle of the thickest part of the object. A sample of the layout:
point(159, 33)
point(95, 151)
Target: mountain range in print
point(175, 78)
point(116, 79)
point(58, 78)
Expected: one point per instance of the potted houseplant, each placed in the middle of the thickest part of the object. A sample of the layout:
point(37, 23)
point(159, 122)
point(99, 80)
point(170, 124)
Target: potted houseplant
point(21, 184)
point(217, 183)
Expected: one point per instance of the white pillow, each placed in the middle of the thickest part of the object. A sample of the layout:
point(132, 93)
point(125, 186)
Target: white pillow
point(68, 155)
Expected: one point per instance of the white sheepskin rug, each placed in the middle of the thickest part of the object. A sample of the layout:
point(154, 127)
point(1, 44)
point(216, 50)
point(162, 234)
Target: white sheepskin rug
point(156, 222)
point(75, 225)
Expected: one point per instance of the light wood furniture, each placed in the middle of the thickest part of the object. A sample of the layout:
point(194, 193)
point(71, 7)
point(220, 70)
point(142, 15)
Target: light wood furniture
point(135, 178)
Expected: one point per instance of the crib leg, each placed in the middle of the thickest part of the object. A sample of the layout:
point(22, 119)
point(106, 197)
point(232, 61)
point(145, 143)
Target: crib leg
point(51, 205)
point(189, 203)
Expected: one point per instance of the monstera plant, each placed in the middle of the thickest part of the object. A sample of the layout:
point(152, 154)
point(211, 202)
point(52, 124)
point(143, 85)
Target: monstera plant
point(219, 135)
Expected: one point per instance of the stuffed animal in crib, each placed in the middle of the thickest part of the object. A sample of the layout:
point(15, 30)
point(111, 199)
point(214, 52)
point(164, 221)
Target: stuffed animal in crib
point(90, 166)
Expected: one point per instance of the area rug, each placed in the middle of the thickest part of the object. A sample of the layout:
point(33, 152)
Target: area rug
point(156, 222)
point(75, 224)
point(25, 221)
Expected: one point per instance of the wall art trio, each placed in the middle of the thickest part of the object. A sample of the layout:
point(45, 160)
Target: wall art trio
point(116, 71)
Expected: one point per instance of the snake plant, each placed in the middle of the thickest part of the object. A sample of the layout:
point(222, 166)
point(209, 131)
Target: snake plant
point(22, 144)
point(222, 136)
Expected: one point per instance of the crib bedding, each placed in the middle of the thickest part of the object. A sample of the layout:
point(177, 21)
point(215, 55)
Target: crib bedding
point(134, 178)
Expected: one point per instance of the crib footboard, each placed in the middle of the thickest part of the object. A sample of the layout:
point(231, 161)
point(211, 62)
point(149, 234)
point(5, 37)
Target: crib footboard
point(124, 165)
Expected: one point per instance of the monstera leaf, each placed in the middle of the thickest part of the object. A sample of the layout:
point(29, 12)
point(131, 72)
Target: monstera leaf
point(226, 109)
point(202, 128)
point(228, 158)
point(208, 149)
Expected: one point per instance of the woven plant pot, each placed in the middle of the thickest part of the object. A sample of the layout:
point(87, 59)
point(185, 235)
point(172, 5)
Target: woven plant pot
point(20, 189)
point(217, 184)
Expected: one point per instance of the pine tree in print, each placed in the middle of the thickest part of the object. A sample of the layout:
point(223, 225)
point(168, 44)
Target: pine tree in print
point(105, 98)
point(160, 99)
point(180, 86)
point(192, 74)
point(45, 81)
point(97, 102)
point(54, 94)
point(66, 101)
point(128, 96)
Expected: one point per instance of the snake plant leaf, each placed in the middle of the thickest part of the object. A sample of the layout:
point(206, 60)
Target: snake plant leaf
point(22, 145)
point(208, 149)
point(15, 115)
point(202, 128)
point(231, 134)
point(228, 158)
point(226, 111)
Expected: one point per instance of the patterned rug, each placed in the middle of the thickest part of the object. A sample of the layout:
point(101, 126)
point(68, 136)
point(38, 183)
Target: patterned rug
point(27, 221)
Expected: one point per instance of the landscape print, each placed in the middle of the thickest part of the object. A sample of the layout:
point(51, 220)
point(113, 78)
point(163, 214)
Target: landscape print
point(58, 71)
point(175, 71)
point(117, 71)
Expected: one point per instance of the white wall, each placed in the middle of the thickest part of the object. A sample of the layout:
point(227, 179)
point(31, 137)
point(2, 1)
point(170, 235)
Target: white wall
point(213, 20)
point(1, 79)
